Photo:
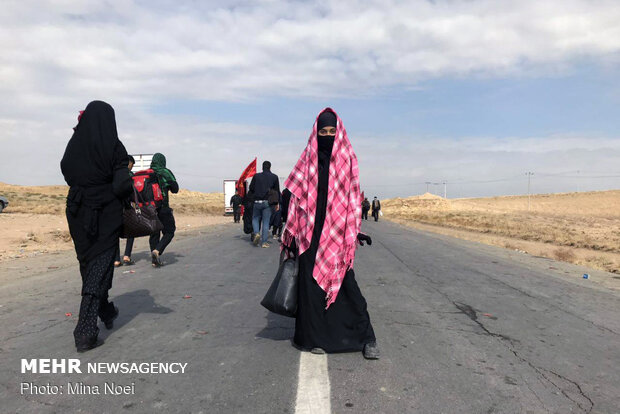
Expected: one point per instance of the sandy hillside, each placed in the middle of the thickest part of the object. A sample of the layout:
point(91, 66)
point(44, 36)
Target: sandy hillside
point(51, 200)
point(34, 222)
point(582, 228)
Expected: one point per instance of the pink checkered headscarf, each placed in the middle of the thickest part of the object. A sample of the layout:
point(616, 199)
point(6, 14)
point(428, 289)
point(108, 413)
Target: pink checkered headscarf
point(336, 251)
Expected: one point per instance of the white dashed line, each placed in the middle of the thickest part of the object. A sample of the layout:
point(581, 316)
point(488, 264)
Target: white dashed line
point(313, 385)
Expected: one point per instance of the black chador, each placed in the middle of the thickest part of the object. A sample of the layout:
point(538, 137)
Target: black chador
point(95, 167)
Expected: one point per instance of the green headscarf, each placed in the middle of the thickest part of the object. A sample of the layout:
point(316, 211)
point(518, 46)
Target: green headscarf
point(158, 164)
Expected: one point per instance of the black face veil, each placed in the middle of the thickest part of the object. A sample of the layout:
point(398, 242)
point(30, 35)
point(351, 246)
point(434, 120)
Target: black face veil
point(326, 119)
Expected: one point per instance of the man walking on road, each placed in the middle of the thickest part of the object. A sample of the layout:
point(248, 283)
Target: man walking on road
point(264, 185)
point(376, 207)
point(365, 208)
point(235, 202)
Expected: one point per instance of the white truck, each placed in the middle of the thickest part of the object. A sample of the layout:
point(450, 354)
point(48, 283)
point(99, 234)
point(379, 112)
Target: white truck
point(229, 191)
point(143, 162)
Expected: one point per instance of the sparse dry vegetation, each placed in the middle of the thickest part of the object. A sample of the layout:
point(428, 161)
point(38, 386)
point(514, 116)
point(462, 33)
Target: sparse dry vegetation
point(35, 223)
point(51, 200)
point(567, 223)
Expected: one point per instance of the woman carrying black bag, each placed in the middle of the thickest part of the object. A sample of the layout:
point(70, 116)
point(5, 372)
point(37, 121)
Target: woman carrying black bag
point(95, 167)
point(324, 220)
point(129, 243)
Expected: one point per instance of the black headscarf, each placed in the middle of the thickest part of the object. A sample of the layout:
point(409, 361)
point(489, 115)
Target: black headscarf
point(326, 119)
point(94, 151)
point(325, 143)
point(95, 167)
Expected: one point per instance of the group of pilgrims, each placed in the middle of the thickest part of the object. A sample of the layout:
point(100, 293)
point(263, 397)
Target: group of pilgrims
point(323, 223)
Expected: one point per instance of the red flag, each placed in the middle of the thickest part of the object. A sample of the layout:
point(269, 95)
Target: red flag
point(249, 172)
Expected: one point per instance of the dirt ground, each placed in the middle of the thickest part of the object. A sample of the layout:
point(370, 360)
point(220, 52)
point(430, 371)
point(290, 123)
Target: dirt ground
point(51, 200)
point(29, 235)
point(34, 223)
point(581, 228)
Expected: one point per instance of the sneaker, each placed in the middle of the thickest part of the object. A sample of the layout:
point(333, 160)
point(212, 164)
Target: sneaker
point(265, 245)
point(371, 350)
point(256, 239)
point(317, 351)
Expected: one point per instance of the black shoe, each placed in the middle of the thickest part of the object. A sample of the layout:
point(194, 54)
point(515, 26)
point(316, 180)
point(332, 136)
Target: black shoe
point(371, 350)
point(155, 260)
point(85, 343)
point(109, 323)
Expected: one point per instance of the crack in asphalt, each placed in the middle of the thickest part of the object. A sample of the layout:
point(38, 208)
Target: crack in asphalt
point(541, 371)
point(551, 304)
point(471, 314)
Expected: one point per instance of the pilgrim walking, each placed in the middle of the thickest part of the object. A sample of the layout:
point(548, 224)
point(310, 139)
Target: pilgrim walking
point(265, 189)
point(167, 183)
point(129, 242)
point(94, 166)
point(376, 208)
point(324, 220)
point(365, 208)
point(235, 202)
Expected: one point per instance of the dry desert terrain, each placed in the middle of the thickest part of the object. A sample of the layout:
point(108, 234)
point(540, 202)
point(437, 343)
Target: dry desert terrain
point(581, 228)
point(34, 222)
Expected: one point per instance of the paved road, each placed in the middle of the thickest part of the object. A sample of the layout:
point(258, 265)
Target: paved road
point(463, 328)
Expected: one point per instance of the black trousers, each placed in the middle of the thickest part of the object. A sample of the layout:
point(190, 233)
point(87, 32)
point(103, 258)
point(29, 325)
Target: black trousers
point(96, 282)
point(237, 215)
point(157, 241)
point(375, 214)
point(277, 231)
point(128, 249)
point(364, 214)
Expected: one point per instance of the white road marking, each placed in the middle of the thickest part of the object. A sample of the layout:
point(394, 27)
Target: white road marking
point(313, 385)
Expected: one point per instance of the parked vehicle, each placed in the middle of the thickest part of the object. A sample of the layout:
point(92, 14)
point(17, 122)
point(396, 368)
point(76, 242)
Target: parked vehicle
point(3, 203)
point(229, 191)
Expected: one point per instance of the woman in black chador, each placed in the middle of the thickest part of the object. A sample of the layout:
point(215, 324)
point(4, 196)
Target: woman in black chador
point(95, 167)
point(323, 225)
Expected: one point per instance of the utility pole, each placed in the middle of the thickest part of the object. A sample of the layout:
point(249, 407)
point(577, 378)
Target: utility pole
point(529, 176)
point(427, 184)
point(445, 189)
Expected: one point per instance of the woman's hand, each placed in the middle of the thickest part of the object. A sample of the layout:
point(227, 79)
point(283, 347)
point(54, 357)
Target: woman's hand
point(361, 238)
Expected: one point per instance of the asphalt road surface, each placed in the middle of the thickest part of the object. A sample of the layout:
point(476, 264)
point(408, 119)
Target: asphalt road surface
point(462, 327)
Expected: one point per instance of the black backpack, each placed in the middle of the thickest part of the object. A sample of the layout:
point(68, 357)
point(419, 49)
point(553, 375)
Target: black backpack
point(148, 188)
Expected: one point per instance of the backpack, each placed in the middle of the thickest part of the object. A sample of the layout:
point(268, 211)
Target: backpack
point(146, 184)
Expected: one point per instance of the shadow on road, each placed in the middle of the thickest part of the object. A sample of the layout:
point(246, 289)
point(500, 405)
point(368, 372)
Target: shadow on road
point(167, 258)
point(279, 328)
point(130, 305)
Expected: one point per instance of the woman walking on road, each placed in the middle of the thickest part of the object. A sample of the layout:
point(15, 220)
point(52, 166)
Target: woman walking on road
point(129, 242)
point(95, 167)
point(323, 225)
point(167, 182)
